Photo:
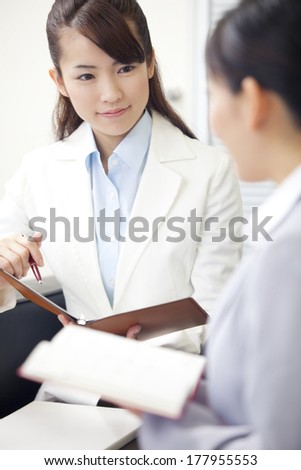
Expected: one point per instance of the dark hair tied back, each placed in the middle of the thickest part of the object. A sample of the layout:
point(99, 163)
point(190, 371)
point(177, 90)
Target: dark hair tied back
point(106, 23)
point(260, 39)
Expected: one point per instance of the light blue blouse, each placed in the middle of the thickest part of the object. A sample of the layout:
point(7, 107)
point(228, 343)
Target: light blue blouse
point(114, 194)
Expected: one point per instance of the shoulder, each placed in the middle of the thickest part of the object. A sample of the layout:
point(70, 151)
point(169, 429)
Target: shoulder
point(199, 163)
point(43, 153)
point(278, 262)
point(271, 292)
point(65, 149)
point(170, 142)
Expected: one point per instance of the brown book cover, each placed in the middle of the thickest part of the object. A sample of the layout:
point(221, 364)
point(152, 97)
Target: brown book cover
point(155, 320)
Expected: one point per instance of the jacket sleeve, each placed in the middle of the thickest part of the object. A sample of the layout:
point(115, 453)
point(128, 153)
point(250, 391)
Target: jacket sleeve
point(7, 299)
point(13, 217)
point(199, 428)
point(13, 220)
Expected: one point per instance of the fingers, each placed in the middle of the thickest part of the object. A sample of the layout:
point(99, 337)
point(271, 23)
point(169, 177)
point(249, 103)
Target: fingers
point(33, 244)
point(133, 332)
point(64, 320)
point(15, 252)
point(37, 237)
point(14, 258)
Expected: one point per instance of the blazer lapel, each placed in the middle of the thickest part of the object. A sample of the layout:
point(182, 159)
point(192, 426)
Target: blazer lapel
point(158, 189)
point(77, 206)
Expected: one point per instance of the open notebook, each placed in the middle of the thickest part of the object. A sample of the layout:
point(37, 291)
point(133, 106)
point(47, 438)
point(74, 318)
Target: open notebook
point(126, 372)
point(155, 321)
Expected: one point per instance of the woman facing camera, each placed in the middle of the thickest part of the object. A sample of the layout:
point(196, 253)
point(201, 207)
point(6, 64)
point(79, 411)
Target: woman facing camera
point(120, 197)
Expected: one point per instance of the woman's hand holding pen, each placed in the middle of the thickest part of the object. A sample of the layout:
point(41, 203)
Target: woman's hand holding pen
point(16, 254)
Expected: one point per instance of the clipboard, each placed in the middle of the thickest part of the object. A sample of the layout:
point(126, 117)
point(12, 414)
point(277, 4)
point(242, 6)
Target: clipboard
point(155, 320)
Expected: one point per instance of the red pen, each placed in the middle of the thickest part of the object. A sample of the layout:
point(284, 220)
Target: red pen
point(35, 269)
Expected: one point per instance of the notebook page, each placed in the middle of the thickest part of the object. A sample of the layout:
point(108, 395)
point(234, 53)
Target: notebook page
point(129, 372)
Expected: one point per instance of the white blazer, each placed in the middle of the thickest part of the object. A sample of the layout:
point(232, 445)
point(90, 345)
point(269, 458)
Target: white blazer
point(181, 174)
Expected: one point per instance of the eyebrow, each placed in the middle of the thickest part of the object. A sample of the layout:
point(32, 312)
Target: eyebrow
point(85, 67)
point(82, 66)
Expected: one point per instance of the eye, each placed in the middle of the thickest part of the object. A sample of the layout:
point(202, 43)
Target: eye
point(126, 69)
point(85, 77)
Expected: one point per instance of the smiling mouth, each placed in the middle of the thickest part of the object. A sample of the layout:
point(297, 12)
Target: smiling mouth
point(111, 113)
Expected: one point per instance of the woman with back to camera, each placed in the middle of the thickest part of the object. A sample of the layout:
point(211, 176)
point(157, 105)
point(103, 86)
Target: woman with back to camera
point(121, 150)
point(252, 396)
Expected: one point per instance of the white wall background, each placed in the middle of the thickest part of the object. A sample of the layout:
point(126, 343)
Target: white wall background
point(27, 95)
point(172, 27)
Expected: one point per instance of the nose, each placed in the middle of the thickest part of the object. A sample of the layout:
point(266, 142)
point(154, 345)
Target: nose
point(110, 91)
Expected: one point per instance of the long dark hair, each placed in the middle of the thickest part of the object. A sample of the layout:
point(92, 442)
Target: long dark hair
point(260, 39)
point(104, 22)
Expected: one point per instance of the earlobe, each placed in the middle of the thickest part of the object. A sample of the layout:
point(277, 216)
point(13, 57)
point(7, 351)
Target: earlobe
point(58, 80)
point(256, 102)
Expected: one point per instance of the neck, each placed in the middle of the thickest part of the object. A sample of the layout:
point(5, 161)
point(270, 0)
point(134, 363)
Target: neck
point(284, 156)
point(279, 145)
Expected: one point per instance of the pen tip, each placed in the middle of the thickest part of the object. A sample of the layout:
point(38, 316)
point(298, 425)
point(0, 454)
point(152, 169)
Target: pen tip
point(40, 282)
